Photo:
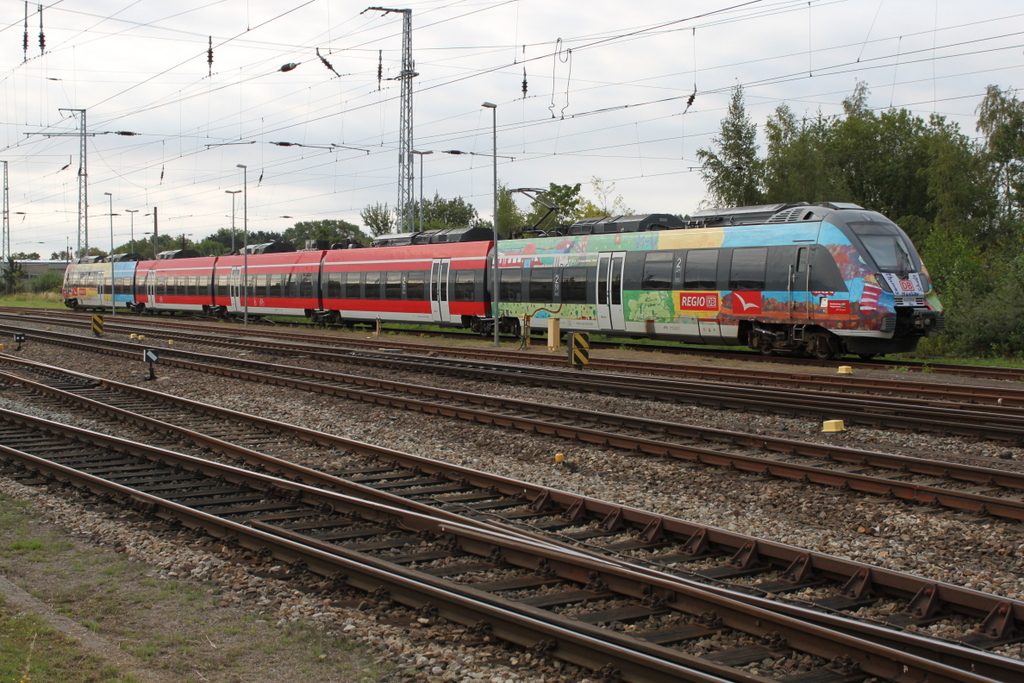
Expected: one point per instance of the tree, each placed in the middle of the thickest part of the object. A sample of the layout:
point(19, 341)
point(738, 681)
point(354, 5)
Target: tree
point(211, 247)
point(510, 218)
point(332, 231)
point(440, 213)
point(13, 276)
point(378, 219)
point(604, 190)
point(25, 256)
point(1001, 121)
point(566, 197)
point(734, 174)
point(798, 167)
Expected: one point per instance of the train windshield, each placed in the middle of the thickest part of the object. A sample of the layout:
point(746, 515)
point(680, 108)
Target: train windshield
point(887, 247)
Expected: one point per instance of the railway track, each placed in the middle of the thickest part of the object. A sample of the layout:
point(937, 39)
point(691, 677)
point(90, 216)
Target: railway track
point(329, 347)
point(981, 490)
point(528, 593)
point(643, 542)
point(917, 367)
point(1003, 421)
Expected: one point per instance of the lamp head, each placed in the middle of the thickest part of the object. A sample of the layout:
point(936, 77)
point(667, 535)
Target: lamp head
point(489, 105)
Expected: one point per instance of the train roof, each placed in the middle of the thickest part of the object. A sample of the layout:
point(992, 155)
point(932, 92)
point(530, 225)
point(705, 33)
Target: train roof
point(612, 224)
point(766, 214)
point(445, 236)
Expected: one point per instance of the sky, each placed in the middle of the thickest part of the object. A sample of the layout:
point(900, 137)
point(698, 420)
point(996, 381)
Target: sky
point(608, 86)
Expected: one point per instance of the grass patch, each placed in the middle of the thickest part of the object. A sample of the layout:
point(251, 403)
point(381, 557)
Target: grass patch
point(33, 300)
point(30, 650)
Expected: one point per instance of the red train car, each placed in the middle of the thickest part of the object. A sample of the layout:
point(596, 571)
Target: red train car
point(444, 283)
point(177, 282)
point(277, 284)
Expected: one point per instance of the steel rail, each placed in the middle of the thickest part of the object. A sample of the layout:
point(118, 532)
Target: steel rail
point(636, 660)
point(960, 370)
point(778, 554)
point(306, 343)
point(920, 493)
point(994, 422)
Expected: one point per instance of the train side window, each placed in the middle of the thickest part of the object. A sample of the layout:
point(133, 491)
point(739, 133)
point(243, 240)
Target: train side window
point(334, 285)
point(602, 282)
point(511, 289)
point(224, 284)
point(617, 267)
point(541, 287)
point(825, 275)
point(574, 285)
point(393, 284)
point(373, 285)
point(416, 285)
point(465, 285)
point(353, 290)
point(305, 285)
point(701, 270)
point(274, 285)
point(678, 258)
point(747, 271)
point(657, 270)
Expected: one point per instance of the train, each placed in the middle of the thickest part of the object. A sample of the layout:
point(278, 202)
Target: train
point(823, 279)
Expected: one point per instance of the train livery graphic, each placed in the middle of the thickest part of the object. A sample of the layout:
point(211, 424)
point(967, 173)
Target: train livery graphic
point(824, 279)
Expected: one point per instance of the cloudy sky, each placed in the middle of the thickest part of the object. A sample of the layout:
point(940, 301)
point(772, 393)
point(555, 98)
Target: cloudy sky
point(607, 90)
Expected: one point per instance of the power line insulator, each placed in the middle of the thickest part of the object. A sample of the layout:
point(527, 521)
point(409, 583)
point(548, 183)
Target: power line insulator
point(289, 66)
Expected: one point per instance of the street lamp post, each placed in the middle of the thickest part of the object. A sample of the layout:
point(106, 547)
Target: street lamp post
point(422, 154)
point(110, 197)
point(232, 193)
point(245, 243)
point(132, 212)
point(494, 255)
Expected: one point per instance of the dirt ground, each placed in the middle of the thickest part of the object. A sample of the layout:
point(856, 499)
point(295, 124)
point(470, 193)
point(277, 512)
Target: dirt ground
point(145, 628)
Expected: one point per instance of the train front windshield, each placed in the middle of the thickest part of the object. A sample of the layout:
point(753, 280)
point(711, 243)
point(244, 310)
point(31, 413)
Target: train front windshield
point(887, 246)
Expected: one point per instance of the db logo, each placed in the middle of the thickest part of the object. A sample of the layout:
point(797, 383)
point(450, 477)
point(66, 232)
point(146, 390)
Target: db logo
point(907, 286)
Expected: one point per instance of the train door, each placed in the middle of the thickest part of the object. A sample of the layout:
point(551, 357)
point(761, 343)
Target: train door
point(235, 289)
point(609, 290)
point(800, 304)
point(439, 310)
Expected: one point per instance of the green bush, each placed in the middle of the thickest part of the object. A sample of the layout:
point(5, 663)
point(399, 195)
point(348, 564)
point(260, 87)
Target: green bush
point(47, 282)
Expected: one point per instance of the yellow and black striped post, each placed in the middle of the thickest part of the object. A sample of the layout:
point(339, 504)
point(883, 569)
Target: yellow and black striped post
point(97, 325)
point(579, 349)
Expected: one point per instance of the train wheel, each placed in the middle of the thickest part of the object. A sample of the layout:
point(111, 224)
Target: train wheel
point(766, 350)
point(821, 347)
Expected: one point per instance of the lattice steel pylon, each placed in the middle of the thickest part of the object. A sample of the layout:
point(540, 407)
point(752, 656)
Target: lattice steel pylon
point(406, 207)
point(5, 239)
point(83, 185)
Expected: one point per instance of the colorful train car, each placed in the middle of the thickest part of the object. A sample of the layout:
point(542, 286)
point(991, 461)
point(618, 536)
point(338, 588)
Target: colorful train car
point(824, 279)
